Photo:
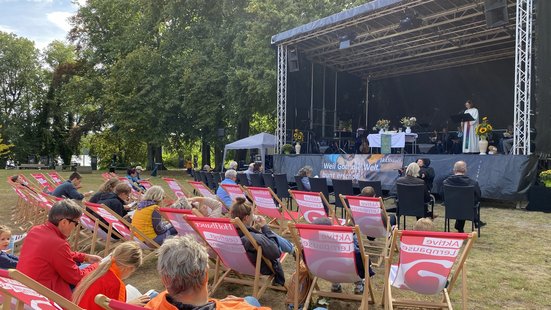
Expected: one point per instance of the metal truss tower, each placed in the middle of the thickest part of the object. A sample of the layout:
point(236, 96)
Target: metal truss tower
point(523, 68)
point(281, 97)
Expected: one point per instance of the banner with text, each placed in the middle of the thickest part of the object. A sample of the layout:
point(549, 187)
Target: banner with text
point(373, 167)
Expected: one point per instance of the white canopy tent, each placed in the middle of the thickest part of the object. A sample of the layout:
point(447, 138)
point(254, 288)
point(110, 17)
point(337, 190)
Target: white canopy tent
point(261, 141)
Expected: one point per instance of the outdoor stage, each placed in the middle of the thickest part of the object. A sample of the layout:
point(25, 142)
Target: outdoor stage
point(499, 176)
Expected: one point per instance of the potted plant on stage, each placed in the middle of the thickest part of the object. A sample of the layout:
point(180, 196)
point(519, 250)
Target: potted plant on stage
point(408, 122)
point(286, 148)
point(382, 125)
point(483, 130)
point(298, 136)
point(545, 178)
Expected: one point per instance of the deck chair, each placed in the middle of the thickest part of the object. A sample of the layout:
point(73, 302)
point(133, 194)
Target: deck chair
point(136, 195)
point(113, 304)
point(429, 263)
point(175, 187)
point(312, 205)
point(221, 234)
point(43, 182)
point(146, 184)
point(176, 218)
point(56, 179)
point(370, 215)
point(328, 252)
point(234, 191)
point(242, 179)
point(19, 291)
point(126, 230)
point(92, 231)
point(263, 200)
point(202, 189)
point(106, 176)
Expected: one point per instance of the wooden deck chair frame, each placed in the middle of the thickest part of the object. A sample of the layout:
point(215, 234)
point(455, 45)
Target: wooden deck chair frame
point(113, 304)
point(23, 212)
point(378, 248)
point(95, 235)
point(324, 201)
point(148, 243)
point(34, 210)
point(42, 182)
point(459, 268)
point(365, 299)
point(202, 189)
point(221, 276)
point(31, 287)
point(285, 216)
point(55, 177)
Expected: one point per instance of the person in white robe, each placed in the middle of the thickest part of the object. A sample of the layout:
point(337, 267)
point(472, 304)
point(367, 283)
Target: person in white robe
point(470, 139)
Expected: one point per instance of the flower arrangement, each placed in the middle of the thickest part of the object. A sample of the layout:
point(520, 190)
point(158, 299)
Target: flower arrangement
point(545, 177)
point(383, 124)
point(408, 121)
point(287, 149)
point(484, 129)
point(298, 136)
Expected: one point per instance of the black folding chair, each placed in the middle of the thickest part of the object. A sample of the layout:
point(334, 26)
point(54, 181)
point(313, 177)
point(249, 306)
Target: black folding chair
point(341, 187)
point(256, 180)
point(204, 179)
point(459, 204)
point(411, 201)
point(320, 185)
point(210, 180)
point(269, 181)
point(218, 177)
point(242, 179)
point(300, 185)
point(375, 184)
point(282, 187)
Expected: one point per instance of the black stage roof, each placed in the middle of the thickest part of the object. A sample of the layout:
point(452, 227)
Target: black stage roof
point(439, 34)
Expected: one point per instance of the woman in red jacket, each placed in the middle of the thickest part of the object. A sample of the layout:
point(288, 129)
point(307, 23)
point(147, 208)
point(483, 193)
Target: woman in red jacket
point(107, 278)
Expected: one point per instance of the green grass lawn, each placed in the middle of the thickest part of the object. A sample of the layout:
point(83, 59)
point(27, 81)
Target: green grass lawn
point(509, 266)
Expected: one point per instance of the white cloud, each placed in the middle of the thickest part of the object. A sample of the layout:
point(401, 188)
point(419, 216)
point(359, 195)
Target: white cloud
point(60, 19)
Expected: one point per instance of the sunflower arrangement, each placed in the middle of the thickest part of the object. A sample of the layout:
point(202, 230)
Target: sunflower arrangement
point(545, 177)
point(408, 121)
point(382, 124)
point(298, 136)
point(484, 129)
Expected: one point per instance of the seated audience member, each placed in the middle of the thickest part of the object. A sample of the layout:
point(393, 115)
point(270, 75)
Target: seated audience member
point(118, 200)
point(19, 180)
point(460, 179)
point(233, 165)
point(7, 261)
point(369, 191)
point(183, 267)
point(412, 178)
point(46, 255)
point(506, 142)
point(359, 285)
point(139, 170)
point(132, 176)
point(148, 219)
point(424, 224)
point(207, 168)
point(68, 189)
point(229, 178)
point(248, 172)
point(209, 207)
point(426, 173)
point(107, 278)
point(269, 241)
point(105, 189)
point(304, 173)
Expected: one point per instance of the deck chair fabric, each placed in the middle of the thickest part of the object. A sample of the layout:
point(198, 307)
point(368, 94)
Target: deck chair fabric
point(106, 176)
point(175, 187)
point(223, 237)
point(264, 201)
point(312, 205)
point(233, 191)
point(178, 221)
point(113, 304)
point(202, 189)
point(146, 184)
point(43, 182)
point(426, 261)
point(56, 179)
point(21, 291)
point(329, 253)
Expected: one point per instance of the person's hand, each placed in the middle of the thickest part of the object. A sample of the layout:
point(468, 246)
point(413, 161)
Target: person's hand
point(140, 301)
point(87, 194)
point(89, 258)
point(260, 220)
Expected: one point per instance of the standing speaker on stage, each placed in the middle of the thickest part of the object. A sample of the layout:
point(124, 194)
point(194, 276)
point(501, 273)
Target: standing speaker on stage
point(470, 139)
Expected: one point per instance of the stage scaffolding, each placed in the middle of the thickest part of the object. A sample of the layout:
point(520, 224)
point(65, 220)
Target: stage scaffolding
point(444, 34)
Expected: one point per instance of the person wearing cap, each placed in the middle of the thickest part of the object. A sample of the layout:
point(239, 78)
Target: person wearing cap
point(132, 176)
point(139, 170)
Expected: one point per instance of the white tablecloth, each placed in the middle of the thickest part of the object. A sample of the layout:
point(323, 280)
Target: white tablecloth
point(398, 140)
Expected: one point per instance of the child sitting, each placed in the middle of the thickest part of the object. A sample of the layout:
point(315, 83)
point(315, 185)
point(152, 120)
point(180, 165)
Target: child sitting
point(7, 261)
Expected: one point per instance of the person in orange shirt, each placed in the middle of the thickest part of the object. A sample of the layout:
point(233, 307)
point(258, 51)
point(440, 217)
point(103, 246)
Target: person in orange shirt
point(183, 266)
point(107, 278)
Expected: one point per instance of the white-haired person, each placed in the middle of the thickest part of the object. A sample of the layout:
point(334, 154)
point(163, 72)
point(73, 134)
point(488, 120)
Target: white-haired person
point(233, 165)
point(229, 178)
point(305, 173)
point(411, 177)
point(209, 207)
point(183, 266)
point(108, 278)
point(148, 219)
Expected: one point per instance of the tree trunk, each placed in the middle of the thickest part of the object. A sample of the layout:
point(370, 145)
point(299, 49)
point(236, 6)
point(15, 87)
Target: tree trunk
point(154, 156)
point(205, 153)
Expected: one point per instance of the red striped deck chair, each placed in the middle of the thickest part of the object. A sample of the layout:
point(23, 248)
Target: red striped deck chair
point(56, 178)
point(222, 236)
point(126, 230)
point(312, 205)
point(429, 263)
point(113, 304)
point(233, 191)
point(146, 184)
point(370, 215)
point(176, 218)
point(264, 201)
point(328, 253)
point(89, 234)
point(106, 176)
point(175, 187)
point(202, 189)
point(135, 194)
point(21, 292)
point(113, 175)
point(43, 182)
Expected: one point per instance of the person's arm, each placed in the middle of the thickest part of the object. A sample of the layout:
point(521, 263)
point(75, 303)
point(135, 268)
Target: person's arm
point(157, 221)
point(267, 241)
point(8, 261)
point(72, 193)
point(63, 262)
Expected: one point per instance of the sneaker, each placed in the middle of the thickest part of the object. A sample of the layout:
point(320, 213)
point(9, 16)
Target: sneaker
point(336, 288)
point(359, 287)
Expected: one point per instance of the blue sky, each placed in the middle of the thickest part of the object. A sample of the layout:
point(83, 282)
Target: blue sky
point(41, 21)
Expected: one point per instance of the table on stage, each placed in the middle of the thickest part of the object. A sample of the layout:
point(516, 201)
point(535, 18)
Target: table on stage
point(397, 140)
